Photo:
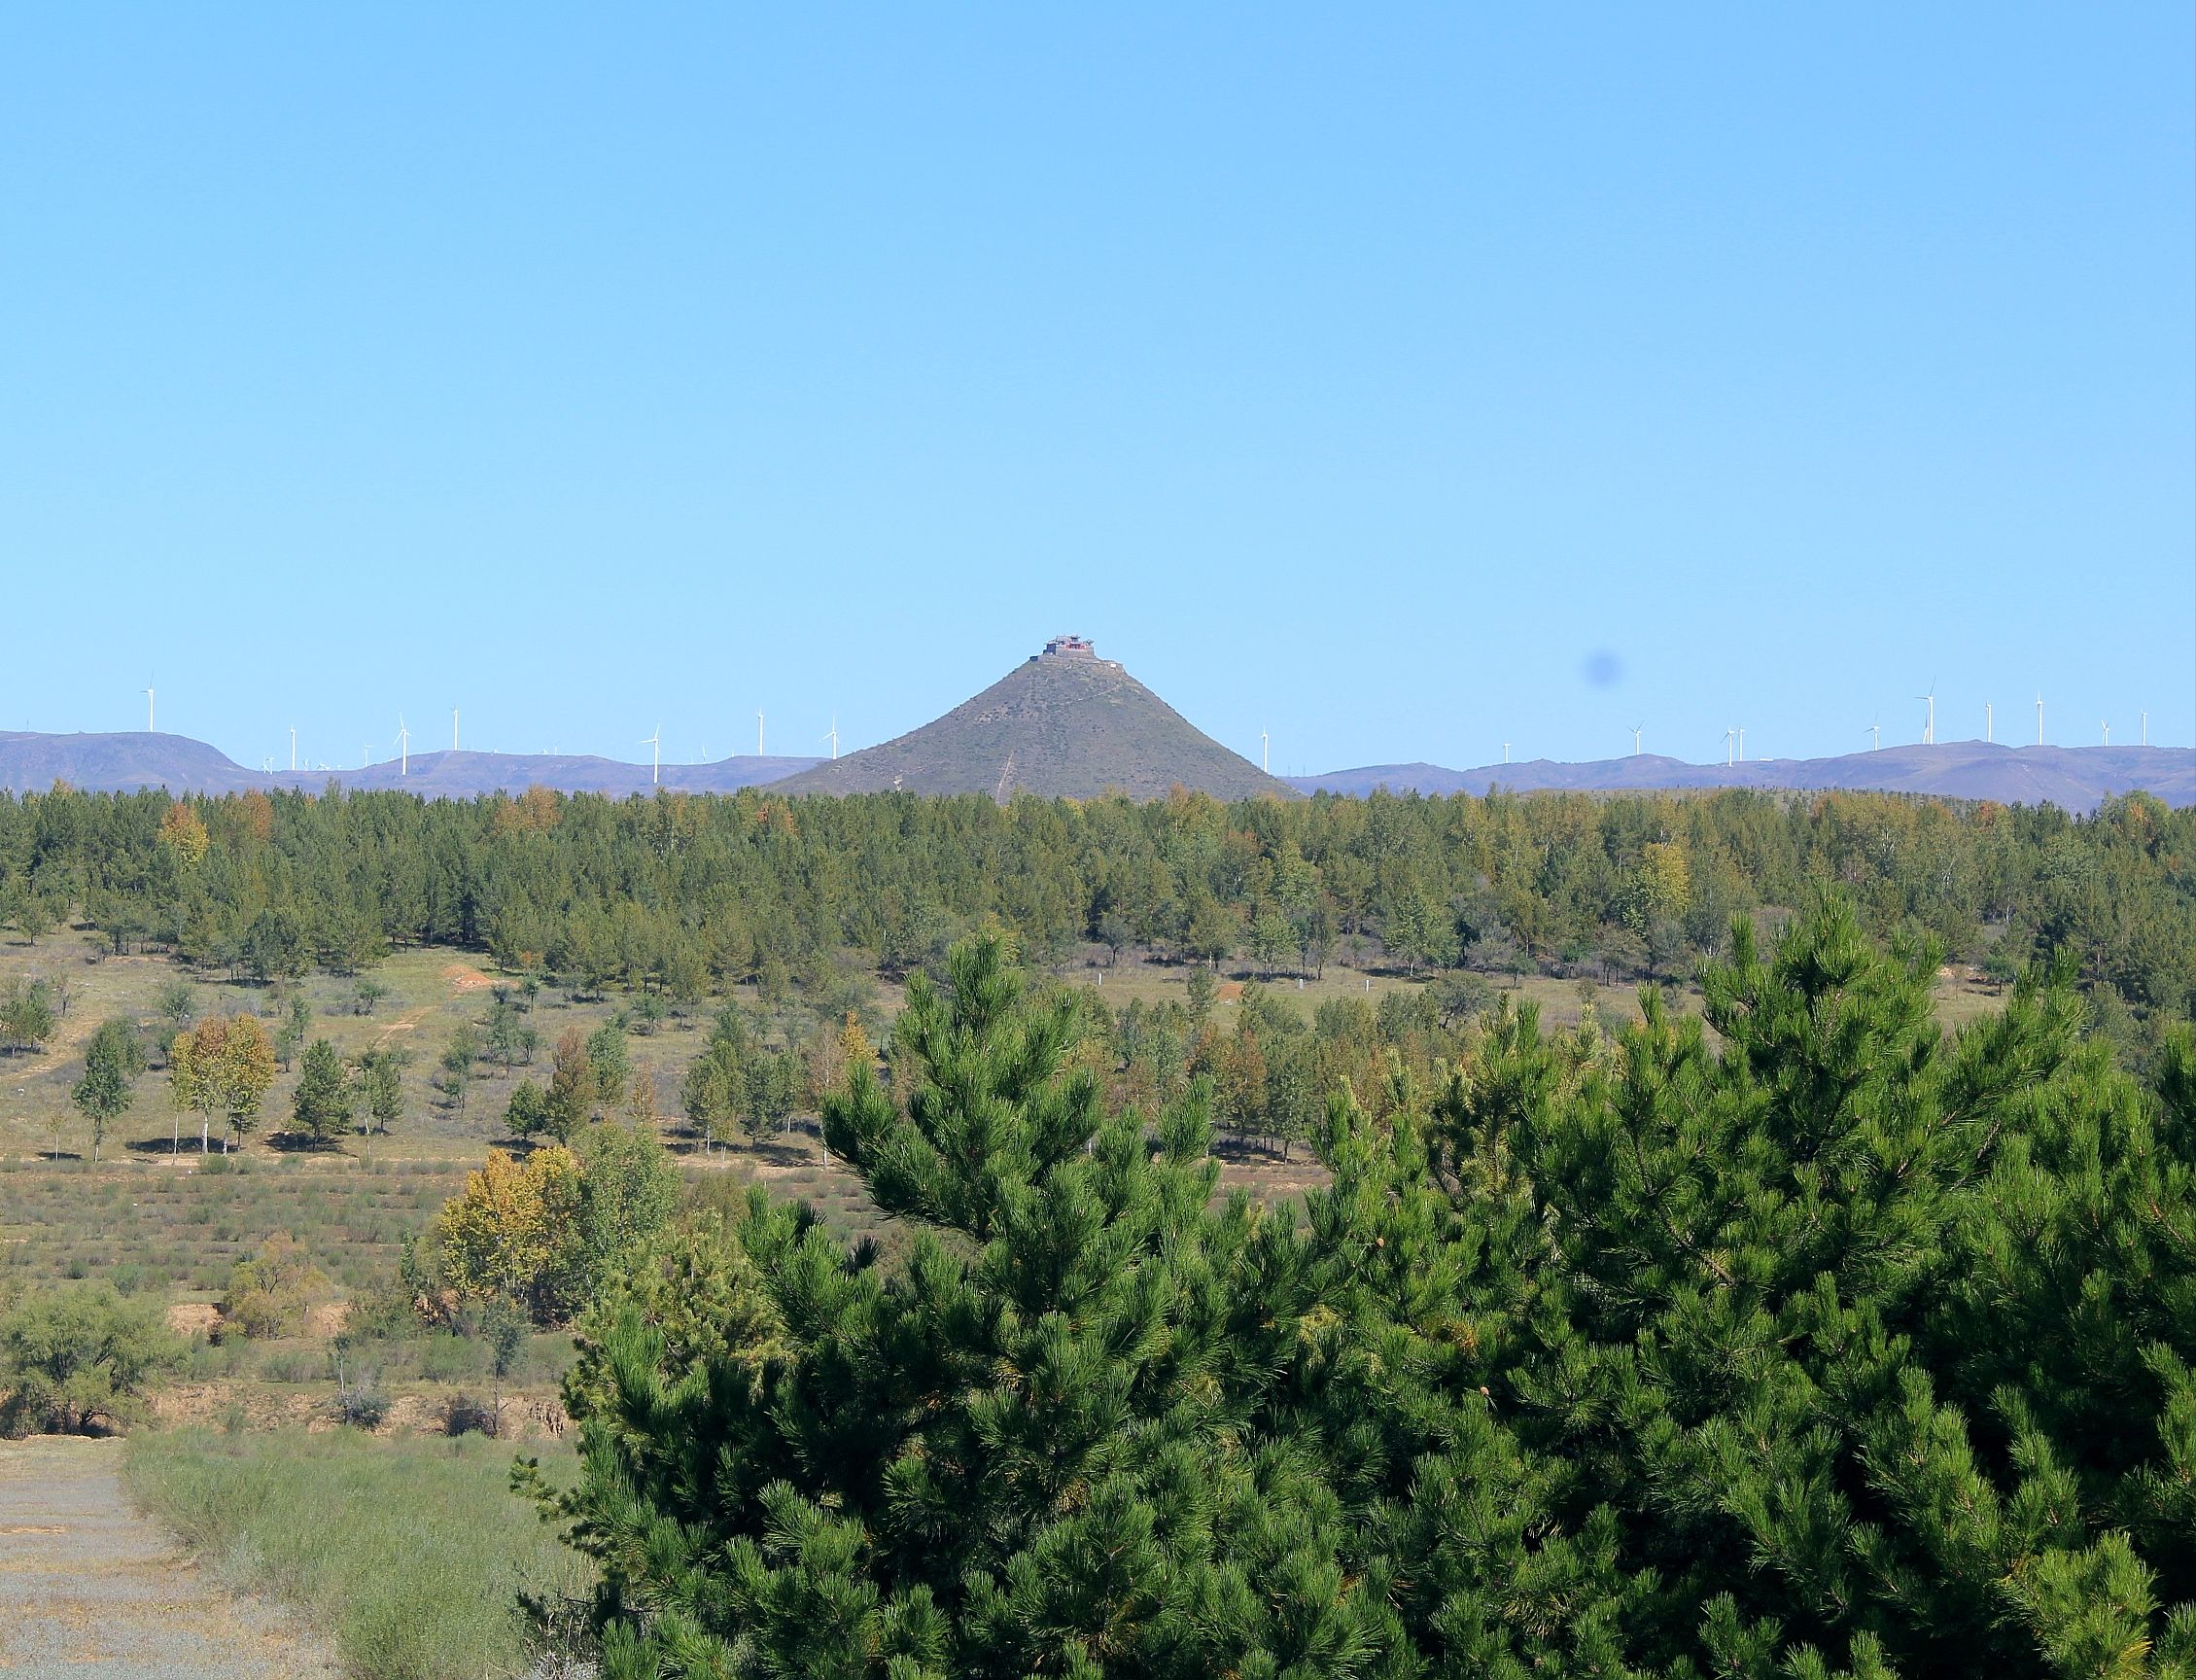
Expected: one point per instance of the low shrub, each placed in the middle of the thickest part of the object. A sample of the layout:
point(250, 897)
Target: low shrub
point(463, 1415)
point(80, 1360)
point(274, 1292)
point(364, 1407)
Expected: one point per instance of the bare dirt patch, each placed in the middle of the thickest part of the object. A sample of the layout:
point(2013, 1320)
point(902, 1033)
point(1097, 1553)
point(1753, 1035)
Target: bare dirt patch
point(464, 978)
point(193, 1318)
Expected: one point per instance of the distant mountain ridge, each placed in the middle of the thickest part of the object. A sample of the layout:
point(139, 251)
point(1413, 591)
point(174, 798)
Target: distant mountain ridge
point(31, 763)
point(2073, 778)
point(1062, 724)
point(1131, 742)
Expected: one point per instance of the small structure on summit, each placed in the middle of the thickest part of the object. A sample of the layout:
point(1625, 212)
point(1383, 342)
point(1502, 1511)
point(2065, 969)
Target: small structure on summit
point(1069, 647)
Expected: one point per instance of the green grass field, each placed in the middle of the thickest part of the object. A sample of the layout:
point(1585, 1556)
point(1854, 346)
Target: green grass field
point(408, 1552)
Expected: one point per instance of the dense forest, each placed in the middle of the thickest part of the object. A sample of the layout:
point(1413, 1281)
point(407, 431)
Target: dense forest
point(679, 894)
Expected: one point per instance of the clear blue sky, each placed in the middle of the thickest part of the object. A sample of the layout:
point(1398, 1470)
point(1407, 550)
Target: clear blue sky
point(1402, 381)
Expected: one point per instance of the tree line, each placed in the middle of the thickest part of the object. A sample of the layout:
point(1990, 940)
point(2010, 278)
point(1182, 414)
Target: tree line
point(677, 895)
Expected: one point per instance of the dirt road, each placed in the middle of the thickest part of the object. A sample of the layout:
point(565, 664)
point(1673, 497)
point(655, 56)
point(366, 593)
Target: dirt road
point(90, 1589)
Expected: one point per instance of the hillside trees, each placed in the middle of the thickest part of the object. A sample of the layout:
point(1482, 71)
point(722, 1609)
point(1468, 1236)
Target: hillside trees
point(673, 896)
point(322, 1107)
point(112, 1063)
point(544, 1235)
point(1872, 1342)
point(1040, 1450)
point(1828, 1345)
point(222, 1065)
point(381, 1091)
point(26, 1015)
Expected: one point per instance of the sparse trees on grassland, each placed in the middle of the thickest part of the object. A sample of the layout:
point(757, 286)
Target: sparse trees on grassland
point(222, 1065)
point(178, 1002)
point(26, 1014)
point(611, 1063)
point(711, 1091)
point(572, 1089)
point(323, 1099)
point(381, 1090)
point(112, 1063)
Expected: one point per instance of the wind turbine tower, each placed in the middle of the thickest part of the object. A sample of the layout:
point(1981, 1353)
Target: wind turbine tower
point(148, 708)
point(655, 767)
point(453, 729)
point(1989, 724)
point(1928, 729)
point(2040, 718)
point(2146, 728)
point(758, 734)
point(2107, 729)
point(293, 749)
point(1505, 751)
point(403, 747)
point(832, 736)
point(1638, 729)
point(1742, 743)
point(1265, 753)
point(1729, 752)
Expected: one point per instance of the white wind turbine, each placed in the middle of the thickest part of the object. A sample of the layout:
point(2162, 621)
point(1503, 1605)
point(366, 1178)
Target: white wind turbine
point(655, 767)
point(453, 729)
point(1505, 751)
point(1988, 722)
point(1638, 729)
point(148, 708)
point(2107, 729)
point(1928, 729)
point(403, 747)
point(293, 749)
point(2040, 717)
point(1730, 754)
point(832, 735)
point(758, 734)
point(2146, 728)
point(1876, 736)
point(1265, 753)
point(1742, 743)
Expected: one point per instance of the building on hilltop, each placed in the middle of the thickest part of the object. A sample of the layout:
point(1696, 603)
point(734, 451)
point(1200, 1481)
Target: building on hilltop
point(1069, 647)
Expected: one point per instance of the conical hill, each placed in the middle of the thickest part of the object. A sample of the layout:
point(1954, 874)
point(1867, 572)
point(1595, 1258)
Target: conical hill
point(1062, 725)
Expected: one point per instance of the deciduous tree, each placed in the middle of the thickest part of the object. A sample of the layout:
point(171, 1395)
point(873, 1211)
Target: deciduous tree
point(112, 1063)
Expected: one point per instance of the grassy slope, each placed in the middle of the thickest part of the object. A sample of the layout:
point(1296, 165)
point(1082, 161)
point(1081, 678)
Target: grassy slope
point(408, 1552)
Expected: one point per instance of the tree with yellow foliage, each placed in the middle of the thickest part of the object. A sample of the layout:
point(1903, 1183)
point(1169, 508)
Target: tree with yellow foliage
point(513, 1233)
point(222, 1065)
point(183, 834)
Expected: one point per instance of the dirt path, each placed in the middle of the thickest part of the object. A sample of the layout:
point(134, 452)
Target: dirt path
point(88, 1587)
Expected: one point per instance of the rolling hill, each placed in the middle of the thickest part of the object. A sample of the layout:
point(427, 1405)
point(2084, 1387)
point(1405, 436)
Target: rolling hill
point(118, 762)
point(1062, 725)
point(2073, 778)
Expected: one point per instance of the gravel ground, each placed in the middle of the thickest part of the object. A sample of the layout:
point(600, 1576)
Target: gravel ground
point(90, 1589)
